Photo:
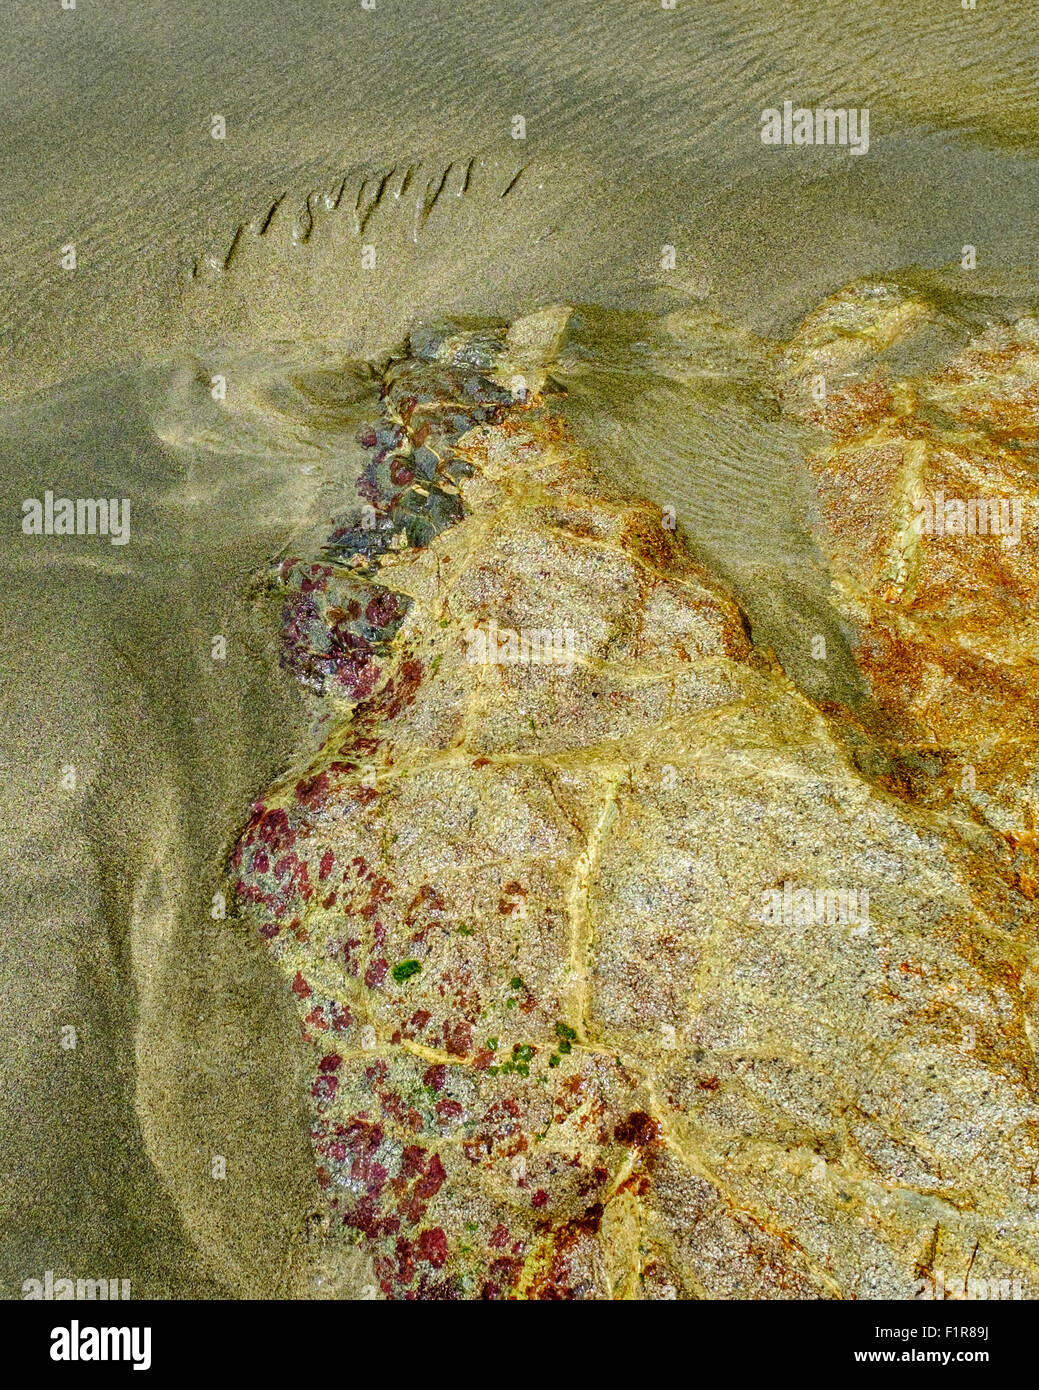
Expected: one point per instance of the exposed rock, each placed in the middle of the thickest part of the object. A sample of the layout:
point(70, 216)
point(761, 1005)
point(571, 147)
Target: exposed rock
point(929, 497)
point(622, 979)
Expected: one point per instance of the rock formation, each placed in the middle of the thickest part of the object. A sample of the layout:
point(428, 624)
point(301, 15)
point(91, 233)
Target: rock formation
point(623, 976)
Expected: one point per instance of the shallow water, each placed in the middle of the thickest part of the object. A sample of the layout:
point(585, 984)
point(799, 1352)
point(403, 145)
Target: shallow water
point(108, 924)
point(642, 132)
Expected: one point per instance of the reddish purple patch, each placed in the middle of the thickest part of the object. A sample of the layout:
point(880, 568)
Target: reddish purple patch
point(432, 1246)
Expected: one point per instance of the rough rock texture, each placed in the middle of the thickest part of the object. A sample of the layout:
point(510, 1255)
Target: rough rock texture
point(929, 495)
point(578, 1029)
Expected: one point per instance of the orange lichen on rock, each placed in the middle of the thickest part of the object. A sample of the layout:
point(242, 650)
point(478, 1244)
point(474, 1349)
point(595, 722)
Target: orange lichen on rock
point(929, 502)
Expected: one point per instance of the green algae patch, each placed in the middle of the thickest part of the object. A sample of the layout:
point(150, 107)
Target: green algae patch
point(405, 969)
